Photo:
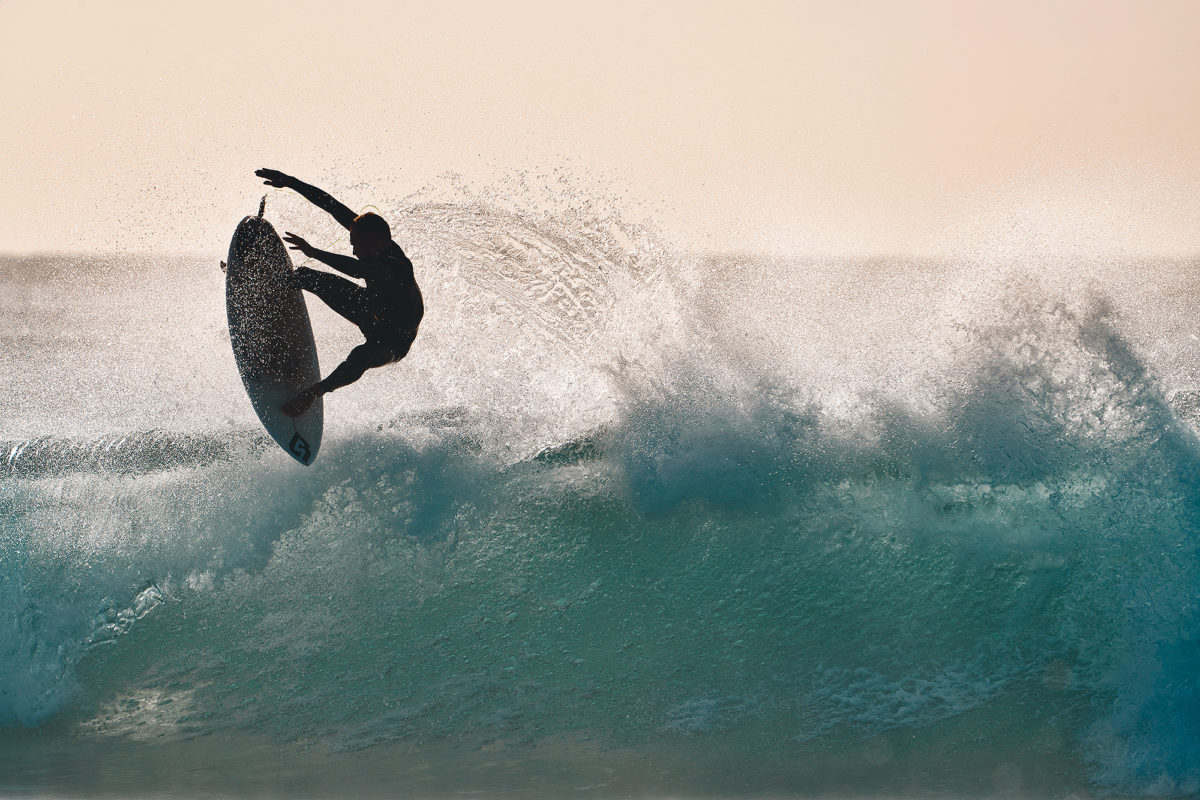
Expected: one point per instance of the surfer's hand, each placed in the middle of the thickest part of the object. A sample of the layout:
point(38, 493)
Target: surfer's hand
point(273, 177)
point(298, 243)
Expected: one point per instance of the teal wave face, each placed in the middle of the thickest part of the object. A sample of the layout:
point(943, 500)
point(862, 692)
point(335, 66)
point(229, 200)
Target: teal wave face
point(1015, 567)
point(702, 513)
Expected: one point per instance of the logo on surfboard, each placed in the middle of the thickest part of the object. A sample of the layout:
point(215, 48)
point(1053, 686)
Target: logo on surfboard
point(299, 448)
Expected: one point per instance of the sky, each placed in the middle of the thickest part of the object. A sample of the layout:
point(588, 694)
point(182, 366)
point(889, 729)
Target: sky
point(917, 127)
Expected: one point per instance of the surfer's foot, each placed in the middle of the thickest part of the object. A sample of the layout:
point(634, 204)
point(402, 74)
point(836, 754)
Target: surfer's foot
point(299, 404)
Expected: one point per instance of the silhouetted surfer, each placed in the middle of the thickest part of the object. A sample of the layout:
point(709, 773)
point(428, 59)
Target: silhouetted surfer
point(387, 311)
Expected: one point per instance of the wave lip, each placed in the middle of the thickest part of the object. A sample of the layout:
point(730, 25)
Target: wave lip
point(136, 453)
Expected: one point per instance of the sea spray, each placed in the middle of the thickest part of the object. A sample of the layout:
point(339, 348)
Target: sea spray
point(595, 509)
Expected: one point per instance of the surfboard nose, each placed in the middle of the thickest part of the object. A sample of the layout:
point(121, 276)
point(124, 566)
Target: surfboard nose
point(254, 238)
point(248, 232)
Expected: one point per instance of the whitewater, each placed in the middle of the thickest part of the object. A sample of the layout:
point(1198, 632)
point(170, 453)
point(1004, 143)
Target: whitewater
point(627, 521)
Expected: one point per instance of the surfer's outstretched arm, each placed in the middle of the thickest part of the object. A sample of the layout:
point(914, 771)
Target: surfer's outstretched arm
point(347, 265)
point(318, 197)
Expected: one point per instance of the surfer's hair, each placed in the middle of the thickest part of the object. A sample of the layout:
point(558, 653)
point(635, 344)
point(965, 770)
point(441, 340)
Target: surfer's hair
point(373, 225)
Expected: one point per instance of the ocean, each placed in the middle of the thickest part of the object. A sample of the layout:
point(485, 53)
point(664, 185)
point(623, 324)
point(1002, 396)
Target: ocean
point(628, 521)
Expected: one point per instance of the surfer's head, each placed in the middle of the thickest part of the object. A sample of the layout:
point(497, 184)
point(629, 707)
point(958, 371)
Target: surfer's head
point(370, 235)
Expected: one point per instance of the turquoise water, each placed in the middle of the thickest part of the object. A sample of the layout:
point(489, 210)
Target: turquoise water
point(625, 523)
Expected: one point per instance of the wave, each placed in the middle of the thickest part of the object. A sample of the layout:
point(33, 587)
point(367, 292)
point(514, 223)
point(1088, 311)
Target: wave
point(726, 563)
point(135, 453)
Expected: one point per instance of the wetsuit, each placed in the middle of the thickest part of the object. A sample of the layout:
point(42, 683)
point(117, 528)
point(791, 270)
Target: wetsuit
point(388, 310)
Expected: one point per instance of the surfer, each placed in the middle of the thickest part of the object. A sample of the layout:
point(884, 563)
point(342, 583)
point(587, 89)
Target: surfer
point(387, 310)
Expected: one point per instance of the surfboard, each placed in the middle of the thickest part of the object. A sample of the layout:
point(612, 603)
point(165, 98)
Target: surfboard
point(272, 336)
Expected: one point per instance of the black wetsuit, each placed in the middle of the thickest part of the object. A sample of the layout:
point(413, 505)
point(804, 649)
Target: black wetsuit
point(388, 310)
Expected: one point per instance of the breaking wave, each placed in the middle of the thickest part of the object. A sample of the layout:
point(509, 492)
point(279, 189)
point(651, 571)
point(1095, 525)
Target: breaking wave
point(713, 554)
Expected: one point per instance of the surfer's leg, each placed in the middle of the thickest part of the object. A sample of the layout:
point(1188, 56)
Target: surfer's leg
point(361, 359)
point(345, 297)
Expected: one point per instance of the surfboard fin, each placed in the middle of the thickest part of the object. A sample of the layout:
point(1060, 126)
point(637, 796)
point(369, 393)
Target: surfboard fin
point(262, 206)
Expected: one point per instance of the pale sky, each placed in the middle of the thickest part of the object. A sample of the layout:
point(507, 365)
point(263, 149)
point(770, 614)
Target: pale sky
point(805, 127)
